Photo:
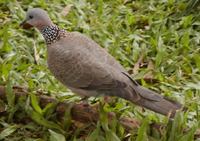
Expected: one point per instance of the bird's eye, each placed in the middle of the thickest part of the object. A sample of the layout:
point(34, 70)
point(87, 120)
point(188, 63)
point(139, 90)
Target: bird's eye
point(30, 16)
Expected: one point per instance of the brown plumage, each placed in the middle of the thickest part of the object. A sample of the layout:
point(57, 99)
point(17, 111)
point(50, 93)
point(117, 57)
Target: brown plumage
point(88, 70)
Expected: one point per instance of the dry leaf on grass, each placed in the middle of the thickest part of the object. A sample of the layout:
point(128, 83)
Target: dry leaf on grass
point(66, 10)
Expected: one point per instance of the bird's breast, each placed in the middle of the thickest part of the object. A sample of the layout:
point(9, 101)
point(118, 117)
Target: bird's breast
point(65, 64)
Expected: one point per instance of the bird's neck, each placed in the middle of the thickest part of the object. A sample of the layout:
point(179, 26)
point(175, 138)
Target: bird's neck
point(52, 33)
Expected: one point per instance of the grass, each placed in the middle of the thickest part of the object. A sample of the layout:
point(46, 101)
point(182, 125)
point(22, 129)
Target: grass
point(161, 31)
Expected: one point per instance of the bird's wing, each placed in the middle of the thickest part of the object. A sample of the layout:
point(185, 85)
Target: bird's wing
point(91, 66)
point(107, 73)
point(97, 51)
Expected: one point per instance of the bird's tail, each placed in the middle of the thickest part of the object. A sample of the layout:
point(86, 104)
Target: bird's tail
point(155, 102)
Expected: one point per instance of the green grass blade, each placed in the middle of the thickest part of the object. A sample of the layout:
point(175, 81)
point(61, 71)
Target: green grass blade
point(8, 131)
point(54, 136)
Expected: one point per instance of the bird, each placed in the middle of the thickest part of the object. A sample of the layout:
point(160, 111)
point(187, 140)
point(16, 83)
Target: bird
point(87, 69)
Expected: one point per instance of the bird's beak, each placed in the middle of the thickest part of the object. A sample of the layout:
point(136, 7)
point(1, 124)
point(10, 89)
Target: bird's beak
point(25, 25)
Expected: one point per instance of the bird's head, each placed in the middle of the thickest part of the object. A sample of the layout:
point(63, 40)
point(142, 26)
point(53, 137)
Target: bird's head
point(36, 17)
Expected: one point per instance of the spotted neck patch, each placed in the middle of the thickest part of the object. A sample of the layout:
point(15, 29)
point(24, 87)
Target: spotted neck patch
point(52, 33)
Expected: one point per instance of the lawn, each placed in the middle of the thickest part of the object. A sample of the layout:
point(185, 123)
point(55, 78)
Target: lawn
point(156, 41)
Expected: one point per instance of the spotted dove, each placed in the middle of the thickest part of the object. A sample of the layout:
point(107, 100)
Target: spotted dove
point(88, 70)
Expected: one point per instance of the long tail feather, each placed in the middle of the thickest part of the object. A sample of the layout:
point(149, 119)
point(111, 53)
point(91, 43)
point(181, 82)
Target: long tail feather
point(155, 102)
